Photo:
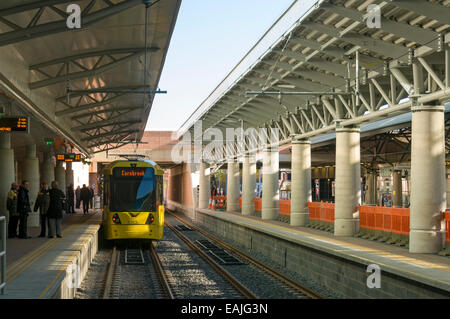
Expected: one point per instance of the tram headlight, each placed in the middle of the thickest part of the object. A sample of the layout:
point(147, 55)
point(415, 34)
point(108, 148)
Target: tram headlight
point(150, 219)
point(116, 219)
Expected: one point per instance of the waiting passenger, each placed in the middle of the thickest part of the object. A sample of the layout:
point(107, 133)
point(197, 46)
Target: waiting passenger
point(23, 208)
point(85, 197)
point(55, 210)
point(70, 200)
point(43, 203)
point(11, 205)
point(78, 196)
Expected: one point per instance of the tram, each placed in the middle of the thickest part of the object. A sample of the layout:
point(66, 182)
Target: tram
point(132, 200)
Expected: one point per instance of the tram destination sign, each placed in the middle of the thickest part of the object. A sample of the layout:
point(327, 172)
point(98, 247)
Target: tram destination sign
point(14, 124)
point(70, 157)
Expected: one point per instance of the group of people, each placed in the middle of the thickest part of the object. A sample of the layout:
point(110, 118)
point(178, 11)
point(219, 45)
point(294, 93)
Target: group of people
point(51, 204)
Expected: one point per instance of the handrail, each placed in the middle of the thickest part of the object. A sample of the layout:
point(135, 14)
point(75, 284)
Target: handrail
point(3, 254)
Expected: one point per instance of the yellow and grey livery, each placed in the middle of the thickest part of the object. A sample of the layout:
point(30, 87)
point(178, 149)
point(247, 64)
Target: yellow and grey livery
point(133, 200)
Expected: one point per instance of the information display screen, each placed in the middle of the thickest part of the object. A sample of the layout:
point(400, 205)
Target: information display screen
point(129, 172)
point(71, 157)
point(14, 124)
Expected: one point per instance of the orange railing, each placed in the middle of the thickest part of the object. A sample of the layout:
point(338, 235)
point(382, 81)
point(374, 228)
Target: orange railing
point(321, 211)
point(284, 206)
point(379, 218)
point(220, 202)
point(385, 219)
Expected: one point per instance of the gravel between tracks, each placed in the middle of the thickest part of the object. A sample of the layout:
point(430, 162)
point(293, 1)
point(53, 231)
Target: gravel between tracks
point(93, 283)
point(190, 276)
point(303, 280)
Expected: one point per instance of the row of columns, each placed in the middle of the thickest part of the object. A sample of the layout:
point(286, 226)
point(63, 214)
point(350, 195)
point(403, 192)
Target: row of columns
point(428, 191)
point(30, 172)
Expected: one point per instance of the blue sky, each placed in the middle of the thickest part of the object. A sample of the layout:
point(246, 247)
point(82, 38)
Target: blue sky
point(210, 38)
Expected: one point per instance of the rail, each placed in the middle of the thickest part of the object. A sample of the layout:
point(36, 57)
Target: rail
point(3, 254)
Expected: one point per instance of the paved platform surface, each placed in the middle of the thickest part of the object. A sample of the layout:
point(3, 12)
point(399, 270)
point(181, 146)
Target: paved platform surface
point(429, 269)
point(35, 264)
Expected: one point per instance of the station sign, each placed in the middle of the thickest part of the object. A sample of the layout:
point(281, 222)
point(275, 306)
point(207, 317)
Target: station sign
point(70, 157)
point(14, 124)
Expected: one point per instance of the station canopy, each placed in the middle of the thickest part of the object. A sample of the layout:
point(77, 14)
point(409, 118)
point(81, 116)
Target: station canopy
point(86, 85)
point(334, 62)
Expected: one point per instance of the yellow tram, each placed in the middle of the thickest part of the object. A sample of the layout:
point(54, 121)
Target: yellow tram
point(133, 200)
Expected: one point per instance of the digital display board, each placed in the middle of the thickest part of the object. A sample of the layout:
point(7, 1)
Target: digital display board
point(129, 171)
point(71, 157)
point(14, 124)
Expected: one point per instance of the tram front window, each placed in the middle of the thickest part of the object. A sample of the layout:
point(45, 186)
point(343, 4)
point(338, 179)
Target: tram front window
point(133, 190)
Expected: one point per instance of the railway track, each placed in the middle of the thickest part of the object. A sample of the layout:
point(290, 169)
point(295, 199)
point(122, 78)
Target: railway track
point(297, 289)
point(134, 256)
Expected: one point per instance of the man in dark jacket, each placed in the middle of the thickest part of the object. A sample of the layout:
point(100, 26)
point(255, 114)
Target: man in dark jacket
point(43, 203)
point(70, 200)
point(11, 205)
point(85, 197)
point(78, 196)
point(91, 196)
point(23, 208)
point(55, 210)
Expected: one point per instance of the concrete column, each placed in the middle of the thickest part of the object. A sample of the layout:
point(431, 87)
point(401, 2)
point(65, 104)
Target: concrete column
point(428, 193)
point(7, 176)
point(301, 182)
point(348, 174)
point(60, 175)
point(233, 185)
point(371, 198)
point(48, 169)
point(204, 185)
point(69, 175)
point(397, 200)
point(270, 192)
point(31, 174)
point(248, 185)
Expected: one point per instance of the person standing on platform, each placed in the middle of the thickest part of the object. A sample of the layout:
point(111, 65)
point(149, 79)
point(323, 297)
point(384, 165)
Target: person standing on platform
point(78, 196)
point(23, 208)
point(85, 196)
point(55, 210)
point(91, 196)
point(11, 205)
point(43, 203)
point(70, 200)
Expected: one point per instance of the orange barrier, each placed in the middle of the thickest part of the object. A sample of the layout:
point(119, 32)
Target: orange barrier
point(284, 206)
point(258, 203)
point(220, 202)
point(447, 225)
point(386, 219)
point(321, 211)
point(314, 210)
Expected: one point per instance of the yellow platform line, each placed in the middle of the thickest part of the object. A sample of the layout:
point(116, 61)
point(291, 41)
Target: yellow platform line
point(63, 268)
point(25, 262)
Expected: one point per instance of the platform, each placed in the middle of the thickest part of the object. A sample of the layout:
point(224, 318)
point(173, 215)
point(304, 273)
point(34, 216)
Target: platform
point(339, 263)
point(43, 268)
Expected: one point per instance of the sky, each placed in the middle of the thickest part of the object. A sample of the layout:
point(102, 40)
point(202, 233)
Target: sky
point(210, 38)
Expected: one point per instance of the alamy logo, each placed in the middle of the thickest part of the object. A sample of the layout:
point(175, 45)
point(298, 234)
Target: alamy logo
point(374, 280)
point(74, 19)
point(373, 17)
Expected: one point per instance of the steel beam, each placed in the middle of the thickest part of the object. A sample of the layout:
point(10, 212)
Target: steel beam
point(60, 26)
